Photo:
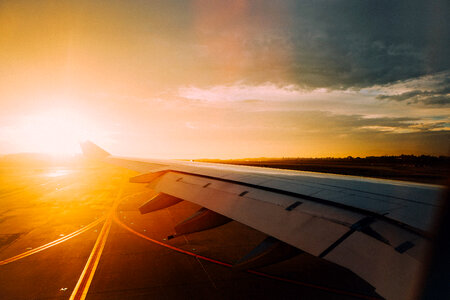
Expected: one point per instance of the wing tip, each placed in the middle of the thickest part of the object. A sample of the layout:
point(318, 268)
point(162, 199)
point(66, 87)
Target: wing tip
point(91, 150)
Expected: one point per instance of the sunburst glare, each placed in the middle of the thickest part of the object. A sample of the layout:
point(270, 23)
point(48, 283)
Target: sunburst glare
point(56, 132)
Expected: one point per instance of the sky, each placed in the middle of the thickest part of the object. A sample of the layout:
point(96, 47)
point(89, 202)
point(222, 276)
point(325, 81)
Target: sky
point(226, 79)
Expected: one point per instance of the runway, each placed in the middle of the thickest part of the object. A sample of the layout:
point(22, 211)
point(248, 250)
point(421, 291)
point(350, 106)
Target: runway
point(74, 232)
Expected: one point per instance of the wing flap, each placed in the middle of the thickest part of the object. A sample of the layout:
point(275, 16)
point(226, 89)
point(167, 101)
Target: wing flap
point(310, 233)
point(392, 273)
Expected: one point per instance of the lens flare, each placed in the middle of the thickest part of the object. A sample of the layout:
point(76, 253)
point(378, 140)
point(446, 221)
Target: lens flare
point(57, 132)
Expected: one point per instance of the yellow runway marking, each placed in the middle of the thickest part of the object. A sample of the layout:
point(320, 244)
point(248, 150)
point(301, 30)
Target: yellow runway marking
point(81, 289)
point(85, 280)
point(51, 244)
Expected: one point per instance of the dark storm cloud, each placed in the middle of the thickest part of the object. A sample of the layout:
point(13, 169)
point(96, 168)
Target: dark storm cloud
point(362, 43)
point(339, 44)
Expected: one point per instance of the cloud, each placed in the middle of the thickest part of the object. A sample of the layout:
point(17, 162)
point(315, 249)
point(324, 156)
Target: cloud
point(439, 97)
point(306, 133)
point(434, 90)
point(243, 93)
point(331, 44)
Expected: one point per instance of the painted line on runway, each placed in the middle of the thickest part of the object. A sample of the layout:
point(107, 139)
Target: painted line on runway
point(87, 275)
point(84, 282)
point(119, 222)
point(51, 244)
point(306, 284)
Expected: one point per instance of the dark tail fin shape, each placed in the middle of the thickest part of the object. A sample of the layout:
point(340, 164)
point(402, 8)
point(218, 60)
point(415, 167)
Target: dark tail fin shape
point(93, 151)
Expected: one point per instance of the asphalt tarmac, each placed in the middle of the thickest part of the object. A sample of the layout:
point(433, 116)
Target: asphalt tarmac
point(75, 232)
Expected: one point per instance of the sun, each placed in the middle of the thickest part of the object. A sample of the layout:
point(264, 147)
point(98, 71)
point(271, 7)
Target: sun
point(56, 131)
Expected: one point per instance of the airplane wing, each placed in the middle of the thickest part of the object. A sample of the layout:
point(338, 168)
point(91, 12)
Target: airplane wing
point(379, 229)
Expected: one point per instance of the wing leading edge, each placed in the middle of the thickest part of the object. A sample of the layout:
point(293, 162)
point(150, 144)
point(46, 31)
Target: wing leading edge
point(379, 229)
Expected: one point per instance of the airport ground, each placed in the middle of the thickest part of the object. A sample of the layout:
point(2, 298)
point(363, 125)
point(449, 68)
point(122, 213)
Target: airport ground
point(74, 229)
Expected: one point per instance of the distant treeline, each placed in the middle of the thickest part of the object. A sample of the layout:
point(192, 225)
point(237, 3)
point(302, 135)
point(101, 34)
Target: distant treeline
point(418, 160)
point(405, 159)
point(422, 168)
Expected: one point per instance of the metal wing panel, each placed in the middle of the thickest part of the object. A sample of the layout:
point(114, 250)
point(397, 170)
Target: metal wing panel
point(398, 237)
point(334, 214)
point(139, 166)
point(422, 216)
point(395, 275)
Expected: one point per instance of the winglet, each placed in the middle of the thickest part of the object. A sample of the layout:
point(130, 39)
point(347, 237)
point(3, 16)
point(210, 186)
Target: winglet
point(91, 150)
